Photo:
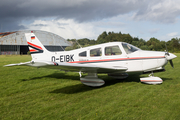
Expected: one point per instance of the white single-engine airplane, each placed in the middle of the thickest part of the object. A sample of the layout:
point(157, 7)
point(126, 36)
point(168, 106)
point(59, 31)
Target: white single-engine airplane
point(114, 58)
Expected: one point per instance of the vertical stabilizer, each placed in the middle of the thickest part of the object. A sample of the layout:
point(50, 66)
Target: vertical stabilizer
point(37, 50)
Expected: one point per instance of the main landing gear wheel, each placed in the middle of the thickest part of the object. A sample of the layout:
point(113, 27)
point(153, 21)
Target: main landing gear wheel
point(92, 80)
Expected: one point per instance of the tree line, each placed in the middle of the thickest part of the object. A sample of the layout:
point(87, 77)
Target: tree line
point(153, 44)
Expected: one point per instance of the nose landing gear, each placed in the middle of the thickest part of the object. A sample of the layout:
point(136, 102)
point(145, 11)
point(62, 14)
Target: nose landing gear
point(151, 79)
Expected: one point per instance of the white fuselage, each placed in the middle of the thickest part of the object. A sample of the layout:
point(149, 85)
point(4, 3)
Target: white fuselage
point(135, 61)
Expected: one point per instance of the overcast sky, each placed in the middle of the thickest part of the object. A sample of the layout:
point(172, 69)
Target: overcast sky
point(89, 18)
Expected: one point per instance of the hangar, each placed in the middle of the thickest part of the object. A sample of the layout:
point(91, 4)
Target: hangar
point(15, 42)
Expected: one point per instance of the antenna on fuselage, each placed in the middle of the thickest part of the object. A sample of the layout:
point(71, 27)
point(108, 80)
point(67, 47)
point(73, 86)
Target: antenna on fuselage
point(59, 43)
point(78, 43)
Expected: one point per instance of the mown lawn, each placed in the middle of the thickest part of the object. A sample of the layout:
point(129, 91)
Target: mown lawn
point(31, 93)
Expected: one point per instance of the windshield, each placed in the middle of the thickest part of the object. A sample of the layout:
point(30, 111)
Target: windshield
point(129, 48)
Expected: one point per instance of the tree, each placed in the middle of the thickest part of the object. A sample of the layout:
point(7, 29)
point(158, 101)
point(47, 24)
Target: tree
point(154, 44)
point(101, 38)
point(173, 45)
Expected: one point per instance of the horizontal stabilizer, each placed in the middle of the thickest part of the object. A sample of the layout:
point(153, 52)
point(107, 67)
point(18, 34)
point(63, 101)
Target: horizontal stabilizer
point(18, 64)
point(32, 63)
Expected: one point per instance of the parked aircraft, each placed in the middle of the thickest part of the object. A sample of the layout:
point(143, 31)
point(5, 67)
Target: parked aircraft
point(117, 59)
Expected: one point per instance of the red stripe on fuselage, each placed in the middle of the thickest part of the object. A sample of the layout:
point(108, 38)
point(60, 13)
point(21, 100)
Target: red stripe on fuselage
point(34, 45)
point(117, 59)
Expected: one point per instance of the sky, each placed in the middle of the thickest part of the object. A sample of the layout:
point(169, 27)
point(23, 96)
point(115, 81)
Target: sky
point(76, 19)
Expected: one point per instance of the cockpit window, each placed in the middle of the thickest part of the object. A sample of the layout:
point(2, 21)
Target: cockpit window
point(129, 48)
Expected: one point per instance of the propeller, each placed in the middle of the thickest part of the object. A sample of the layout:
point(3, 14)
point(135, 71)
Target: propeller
point(171, 63)
point(167, 53)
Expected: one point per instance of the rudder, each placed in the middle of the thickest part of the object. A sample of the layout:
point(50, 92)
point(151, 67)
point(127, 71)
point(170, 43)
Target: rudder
point(36, 48)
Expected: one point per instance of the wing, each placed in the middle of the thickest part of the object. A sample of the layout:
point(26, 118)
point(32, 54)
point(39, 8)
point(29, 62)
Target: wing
point(72, 66)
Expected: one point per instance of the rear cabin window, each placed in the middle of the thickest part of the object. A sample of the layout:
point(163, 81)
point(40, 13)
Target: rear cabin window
point(112, 50)
point(83, 54)
point(95, 52)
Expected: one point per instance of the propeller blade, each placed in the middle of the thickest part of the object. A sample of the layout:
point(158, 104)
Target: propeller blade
point(167, 53)
point(171, 63)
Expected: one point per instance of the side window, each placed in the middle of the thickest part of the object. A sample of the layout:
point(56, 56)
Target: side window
point(112, 50)
point(129, 48)
point(83, 54)
point(95, 52)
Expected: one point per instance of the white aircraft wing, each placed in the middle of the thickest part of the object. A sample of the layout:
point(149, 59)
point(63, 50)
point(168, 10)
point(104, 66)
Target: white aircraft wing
point(71, 66)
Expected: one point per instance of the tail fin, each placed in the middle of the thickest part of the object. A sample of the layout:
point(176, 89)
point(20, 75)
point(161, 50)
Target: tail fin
point(38, 51)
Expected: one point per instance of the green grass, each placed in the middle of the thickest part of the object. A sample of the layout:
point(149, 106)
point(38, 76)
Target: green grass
point(31, 93)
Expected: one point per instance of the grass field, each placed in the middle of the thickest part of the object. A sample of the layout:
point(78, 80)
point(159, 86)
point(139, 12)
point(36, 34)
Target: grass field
point(31, 93)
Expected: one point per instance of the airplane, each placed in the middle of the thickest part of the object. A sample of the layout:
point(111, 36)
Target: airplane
point(116, 59)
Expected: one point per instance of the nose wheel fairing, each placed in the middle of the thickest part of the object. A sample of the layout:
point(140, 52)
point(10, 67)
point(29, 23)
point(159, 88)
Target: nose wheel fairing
point(151, 80)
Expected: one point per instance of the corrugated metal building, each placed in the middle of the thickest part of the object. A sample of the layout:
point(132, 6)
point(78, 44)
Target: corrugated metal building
point(15, 42)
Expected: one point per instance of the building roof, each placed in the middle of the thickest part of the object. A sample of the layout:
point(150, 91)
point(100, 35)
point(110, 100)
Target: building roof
point(18, 38)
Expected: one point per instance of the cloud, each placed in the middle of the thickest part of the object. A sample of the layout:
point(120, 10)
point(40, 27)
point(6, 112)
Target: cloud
point(173, 34)
point(80, 10)
point(40, 25)
point(162, 11)
point(85, 18)
point(66, 28)
point(153, 31)
point(14, 12)
point(71, 29)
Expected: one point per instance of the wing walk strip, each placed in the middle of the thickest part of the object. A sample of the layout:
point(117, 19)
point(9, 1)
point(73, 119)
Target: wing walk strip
point(119, 59)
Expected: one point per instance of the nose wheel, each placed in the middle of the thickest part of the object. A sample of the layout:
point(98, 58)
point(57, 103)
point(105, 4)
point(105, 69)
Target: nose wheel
point(151, 79)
